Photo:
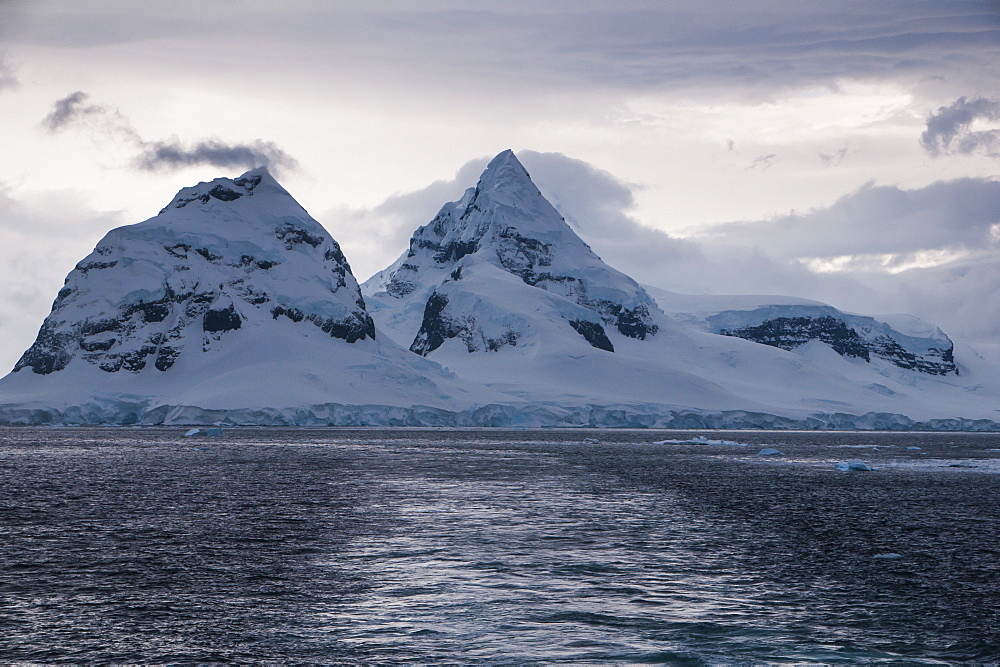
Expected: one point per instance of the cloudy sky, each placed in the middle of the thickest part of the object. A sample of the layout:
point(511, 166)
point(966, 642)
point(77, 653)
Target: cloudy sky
point(843, 151)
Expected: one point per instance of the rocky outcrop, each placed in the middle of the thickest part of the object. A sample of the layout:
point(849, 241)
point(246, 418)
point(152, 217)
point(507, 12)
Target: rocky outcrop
point(789, 327)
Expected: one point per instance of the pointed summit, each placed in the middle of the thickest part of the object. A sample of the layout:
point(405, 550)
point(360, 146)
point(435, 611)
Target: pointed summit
point(222, 256)
point(505, 171)
point(504, 228)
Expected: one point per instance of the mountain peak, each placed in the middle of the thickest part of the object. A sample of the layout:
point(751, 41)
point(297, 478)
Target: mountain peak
point(224, 256)
point(505, 170)
point(505, 226)
point(225, 190)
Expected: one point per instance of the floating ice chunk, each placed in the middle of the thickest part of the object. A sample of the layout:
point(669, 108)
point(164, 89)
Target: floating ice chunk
point(204, 431)
point(771, 451)
point(854, 464)
point(887, 556)
point(914, 448)
point(700, 440)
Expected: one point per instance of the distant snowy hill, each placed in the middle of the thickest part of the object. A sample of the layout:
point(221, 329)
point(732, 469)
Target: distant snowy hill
point(234, 306)
point(790, 323)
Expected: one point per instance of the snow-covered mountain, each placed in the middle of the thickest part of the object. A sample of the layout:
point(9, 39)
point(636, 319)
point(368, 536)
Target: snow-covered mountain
point(497, 287)
point(233, 297)
point(233, 305)
point(470, 273)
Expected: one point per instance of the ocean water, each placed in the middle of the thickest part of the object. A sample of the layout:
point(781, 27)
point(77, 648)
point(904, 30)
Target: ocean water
point(361, 545)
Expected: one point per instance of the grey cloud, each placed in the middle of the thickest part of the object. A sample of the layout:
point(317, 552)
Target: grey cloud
point(763, 162)
point(734, 49)
point(950, 129)
point(170, 155)
point(74, 109)
point(834, 159)
point(68, 108)
point(164, 155)
point(957, 214)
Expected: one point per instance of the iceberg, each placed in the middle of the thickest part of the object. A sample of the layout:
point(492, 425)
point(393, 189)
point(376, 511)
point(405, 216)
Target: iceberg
point(854, 465)
point(701, 440)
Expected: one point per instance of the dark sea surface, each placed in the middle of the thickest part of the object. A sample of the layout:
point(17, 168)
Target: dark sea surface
point(361, 545)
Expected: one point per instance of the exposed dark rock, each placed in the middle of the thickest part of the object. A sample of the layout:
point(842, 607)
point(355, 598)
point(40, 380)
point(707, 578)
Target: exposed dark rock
point(91, 327)
point(179, 250)
point(248, 183)
point(434, 329)
point(437, 327)
point(155, 311)
point(90, 266)
point(294, 314)
point(594, 334)
point(49, 351)
point(632, 322)
point(790, 332)
point(293, 235)
point(225, 319)
point(98, 346)
point(166, 357)
point(208, 254)
point(222, 193)
point(455, 251)
point(351, 329)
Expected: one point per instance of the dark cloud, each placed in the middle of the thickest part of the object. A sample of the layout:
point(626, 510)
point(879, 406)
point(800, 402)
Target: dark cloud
point(165, 155)
point(950, 130)
point(73, 109)
point(172, 155)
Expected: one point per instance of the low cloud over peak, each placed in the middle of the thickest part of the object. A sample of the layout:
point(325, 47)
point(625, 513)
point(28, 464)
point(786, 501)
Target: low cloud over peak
point(169, 154)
